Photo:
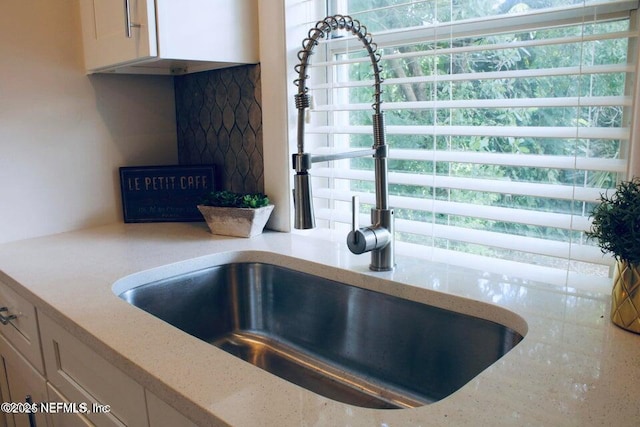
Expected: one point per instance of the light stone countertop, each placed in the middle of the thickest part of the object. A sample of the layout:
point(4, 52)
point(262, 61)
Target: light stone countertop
point(573, 368)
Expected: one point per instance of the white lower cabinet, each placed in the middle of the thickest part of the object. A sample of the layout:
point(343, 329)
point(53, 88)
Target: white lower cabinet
point(71, 384)
point(21, 366)
point(77, 374)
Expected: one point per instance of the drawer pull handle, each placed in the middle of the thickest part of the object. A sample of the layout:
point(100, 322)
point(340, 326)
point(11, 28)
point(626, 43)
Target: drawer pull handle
point(5, 319)
point(32, 415)
point(127, 19)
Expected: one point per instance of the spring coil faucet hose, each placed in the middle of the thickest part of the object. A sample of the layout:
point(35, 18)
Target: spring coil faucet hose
point(377, 238)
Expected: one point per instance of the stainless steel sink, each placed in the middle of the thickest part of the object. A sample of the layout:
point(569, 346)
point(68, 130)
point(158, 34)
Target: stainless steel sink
point(346, 343)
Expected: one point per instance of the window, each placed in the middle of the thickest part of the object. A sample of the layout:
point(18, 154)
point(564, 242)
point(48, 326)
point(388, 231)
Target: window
point(505, 123)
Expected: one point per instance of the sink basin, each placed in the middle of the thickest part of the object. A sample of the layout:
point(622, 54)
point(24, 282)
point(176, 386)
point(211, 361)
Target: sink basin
point(346, 343)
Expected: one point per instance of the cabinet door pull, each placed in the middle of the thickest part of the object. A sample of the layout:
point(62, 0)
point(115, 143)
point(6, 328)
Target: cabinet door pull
point(32, 415)
point(127, 19)
point(5, 319)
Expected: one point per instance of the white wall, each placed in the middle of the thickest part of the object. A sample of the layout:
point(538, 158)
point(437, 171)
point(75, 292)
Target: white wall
point(273, 62)
point(64, 134)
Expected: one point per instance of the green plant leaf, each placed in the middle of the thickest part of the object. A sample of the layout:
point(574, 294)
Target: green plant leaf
point(230, 199)
point(616, 222)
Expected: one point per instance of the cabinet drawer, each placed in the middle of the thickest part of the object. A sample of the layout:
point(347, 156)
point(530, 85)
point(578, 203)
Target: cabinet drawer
point(81, 375)
point(21, 332)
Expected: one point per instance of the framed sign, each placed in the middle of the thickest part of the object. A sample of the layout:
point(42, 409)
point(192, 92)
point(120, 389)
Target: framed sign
point(164, 193)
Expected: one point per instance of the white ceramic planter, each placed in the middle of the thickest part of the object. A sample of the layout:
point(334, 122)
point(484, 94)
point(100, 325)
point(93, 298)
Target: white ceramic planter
point(237, 222)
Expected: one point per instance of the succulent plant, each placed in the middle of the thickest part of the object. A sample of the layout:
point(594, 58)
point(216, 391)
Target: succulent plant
point(230, 199)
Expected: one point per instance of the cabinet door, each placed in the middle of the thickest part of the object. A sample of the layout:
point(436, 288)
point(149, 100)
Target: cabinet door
point(205, 30)
point(20, 379)
point(117, 32)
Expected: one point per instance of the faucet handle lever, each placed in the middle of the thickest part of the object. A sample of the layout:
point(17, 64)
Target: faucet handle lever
point(355, 213)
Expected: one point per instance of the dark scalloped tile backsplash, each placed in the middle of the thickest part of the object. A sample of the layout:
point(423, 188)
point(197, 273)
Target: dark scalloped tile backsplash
point(219, 121)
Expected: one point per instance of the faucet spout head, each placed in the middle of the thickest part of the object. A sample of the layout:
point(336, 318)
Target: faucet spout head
point(303, 202)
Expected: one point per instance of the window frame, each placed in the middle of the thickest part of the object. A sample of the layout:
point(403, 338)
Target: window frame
point(292, 9)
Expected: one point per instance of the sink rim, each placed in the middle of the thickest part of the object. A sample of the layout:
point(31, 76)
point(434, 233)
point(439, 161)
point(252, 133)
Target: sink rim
point(252, 378)
point(365, 279)
point(200, 269)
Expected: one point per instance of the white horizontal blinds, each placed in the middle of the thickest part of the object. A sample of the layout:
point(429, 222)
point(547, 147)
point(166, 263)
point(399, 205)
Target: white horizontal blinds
point(505, 122)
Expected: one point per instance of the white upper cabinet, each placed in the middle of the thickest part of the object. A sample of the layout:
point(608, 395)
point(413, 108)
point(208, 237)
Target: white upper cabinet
point(168, 36)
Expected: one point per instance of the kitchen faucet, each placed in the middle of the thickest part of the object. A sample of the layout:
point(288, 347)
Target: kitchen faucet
point(378, 237)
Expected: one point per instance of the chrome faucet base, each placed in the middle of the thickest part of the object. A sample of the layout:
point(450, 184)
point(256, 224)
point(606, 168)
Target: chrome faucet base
point(383, 258)
point(376, 238)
